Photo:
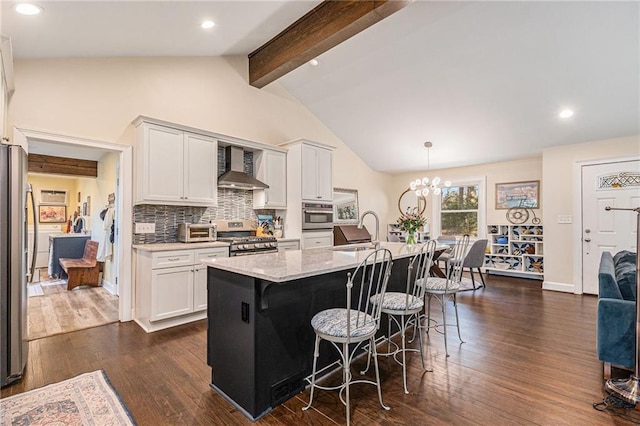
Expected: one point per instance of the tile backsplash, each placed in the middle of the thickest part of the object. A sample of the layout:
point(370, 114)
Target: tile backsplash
point(232, 204)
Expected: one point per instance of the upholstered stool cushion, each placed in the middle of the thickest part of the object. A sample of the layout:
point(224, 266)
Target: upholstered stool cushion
point(398, 301)
point(333, 322)
point(440, 284)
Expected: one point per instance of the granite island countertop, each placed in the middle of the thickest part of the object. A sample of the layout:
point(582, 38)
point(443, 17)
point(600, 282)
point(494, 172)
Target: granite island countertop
point(291, 265)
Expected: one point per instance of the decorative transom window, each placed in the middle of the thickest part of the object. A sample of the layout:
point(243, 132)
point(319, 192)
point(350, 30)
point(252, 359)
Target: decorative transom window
point(619, 180)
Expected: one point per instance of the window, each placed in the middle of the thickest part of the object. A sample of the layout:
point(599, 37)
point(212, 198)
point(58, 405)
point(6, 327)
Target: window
point(459, 210)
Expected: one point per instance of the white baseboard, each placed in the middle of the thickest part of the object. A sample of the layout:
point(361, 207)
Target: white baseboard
point(109, 287)
point(150, 327)
point(563, 287)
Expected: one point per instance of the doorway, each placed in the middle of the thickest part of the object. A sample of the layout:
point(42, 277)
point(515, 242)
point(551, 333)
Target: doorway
point(614, 184)
point(123, 230)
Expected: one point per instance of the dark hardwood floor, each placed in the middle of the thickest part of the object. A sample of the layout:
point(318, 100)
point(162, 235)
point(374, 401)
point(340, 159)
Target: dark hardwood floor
point(529, 358)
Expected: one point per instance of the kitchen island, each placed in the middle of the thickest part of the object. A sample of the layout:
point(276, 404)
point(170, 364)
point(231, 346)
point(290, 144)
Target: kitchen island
point(259, 337)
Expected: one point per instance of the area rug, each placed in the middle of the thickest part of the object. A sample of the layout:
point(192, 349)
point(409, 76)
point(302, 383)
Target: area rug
point(87, 399)
point(34, 290)
point(466, 284)
point(53, 282)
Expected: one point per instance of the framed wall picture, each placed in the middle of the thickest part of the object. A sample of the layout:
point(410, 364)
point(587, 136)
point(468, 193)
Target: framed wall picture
point(52, 214)
point(345, 206)
point(518, 194)
point(53, 196)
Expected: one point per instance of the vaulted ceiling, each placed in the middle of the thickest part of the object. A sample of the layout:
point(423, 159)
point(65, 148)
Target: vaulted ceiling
point(484, 81)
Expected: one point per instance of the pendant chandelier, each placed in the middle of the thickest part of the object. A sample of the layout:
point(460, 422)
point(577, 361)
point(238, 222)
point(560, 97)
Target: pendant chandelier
point(423, 186)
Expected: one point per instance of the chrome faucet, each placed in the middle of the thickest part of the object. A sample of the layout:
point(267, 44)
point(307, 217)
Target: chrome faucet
point(371, 212)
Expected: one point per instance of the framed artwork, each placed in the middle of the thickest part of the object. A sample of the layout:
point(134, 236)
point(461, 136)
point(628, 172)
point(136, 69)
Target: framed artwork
point(53, 196)
point(345, 206)
point(84, 209)
point(518, 194)
point(52, 214)
point(88, 205)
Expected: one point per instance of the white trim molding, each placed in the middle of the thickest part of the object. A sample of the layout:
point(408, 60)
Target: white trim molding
point(436, 226)
point(563, 287)
point(123, 205)
point(577, 213)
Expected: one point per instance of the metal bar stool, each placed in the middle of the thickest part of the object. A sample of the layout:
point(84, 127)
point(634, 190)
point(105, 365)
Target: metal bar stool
point(404, 308)
point(443, 289)
point(358, 322)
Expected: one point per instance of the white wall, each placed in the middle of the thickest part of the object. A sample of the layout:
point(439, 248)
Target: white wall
point(559, 198)
point(508, 171)
point(98, 98)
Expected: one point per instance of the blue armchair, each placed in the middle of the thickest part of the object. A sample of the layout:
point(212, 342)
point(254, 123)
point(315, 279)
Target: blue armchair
point(617, 310)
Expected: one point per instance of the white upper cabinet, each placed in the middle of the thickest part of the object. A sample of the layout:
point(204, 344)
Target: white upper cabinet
point(271, 168)
point(201, 169)
point(317, 171)
point(175, 167)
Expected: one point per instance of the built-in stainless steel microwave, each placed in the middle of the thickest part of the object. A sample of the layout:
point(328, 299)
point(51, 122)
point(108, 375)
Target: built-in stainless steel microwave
point(317, 216)
point(197, 232)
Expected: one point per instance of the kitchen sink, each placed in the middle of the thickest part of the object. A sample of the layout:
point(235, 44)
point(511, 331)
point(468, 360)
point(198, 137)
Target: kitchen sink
point(354, 247)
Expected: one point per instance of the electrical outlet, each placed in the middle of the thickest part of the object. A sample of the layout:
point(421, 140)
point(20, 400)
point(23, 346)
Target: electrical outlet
point(145, 228)
point(564, 218)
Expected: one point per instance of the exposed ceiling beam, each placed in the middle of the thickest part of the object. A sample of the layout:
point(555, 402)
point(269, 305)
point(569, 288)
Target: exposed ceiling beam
point(327, 25)
point(62, 166)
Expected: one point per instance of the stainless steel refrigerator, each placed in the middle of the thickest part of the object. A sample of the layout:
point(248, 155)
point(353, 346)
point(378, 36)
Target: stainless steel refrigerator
point(14, 274)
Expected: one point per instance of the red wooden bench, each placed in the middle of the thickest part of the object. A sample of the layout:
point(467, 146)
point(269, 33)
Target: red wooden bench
point(84, 271)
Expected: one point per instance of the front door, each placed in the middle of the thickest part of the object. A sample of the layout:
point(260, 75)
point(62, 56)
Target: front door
point(608, 184)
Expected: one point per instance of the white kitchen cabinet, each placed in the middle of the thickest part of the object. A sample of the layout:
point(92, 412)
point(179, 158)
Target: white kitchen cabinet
point(288, 245)
point(317, 240)
point(171, 286)
point(174, 166)
point(309, 179)
point(200, 275)
point(271, 168)
point(317, 182)
point(171, 292)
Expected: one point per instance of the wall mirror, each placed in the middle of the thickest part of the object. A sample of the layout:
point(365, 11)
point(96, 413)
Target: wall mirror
point(345, 206)
point(409, 201)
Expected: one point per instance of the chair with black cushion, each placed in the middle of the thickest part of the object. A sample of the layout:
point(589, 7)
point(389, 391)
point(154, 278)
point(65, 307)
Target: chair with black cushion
point(475, 259)
point(405, 307)
point(443, 289)
point(356, 323)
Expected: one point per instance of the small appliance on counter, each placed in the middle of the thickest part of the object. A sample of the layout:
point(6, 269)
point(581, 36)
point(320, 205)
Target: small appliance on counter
point(197, 232)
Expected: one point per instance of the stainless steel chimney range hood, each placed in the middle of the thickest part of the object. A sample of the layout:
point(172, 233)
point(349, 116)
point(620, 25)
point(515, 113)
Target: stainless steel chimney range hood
point(235, 177)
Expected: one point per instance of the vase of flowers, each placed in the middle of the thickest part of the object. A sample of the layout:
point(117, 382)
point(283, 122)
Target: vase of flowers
point(410, 222)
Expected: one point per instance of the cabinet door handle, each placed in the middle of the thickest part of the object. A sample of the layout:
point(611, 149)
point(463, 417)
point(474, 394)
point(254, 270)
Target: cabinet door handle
point(173, 259)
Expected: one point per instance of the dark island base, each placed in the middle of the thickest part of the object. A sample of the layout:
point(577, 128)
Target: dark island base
point(259, 337)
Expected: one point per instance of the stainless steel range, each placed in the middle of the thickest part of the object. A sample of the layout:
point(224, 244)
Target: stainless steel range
point(241, 235)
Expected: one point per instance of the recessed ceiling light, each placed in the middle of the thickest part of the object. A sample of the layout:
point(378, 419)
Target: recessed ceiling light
point(565, 113)
point(28, 9)
point(314, 63)
point(208, 24)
